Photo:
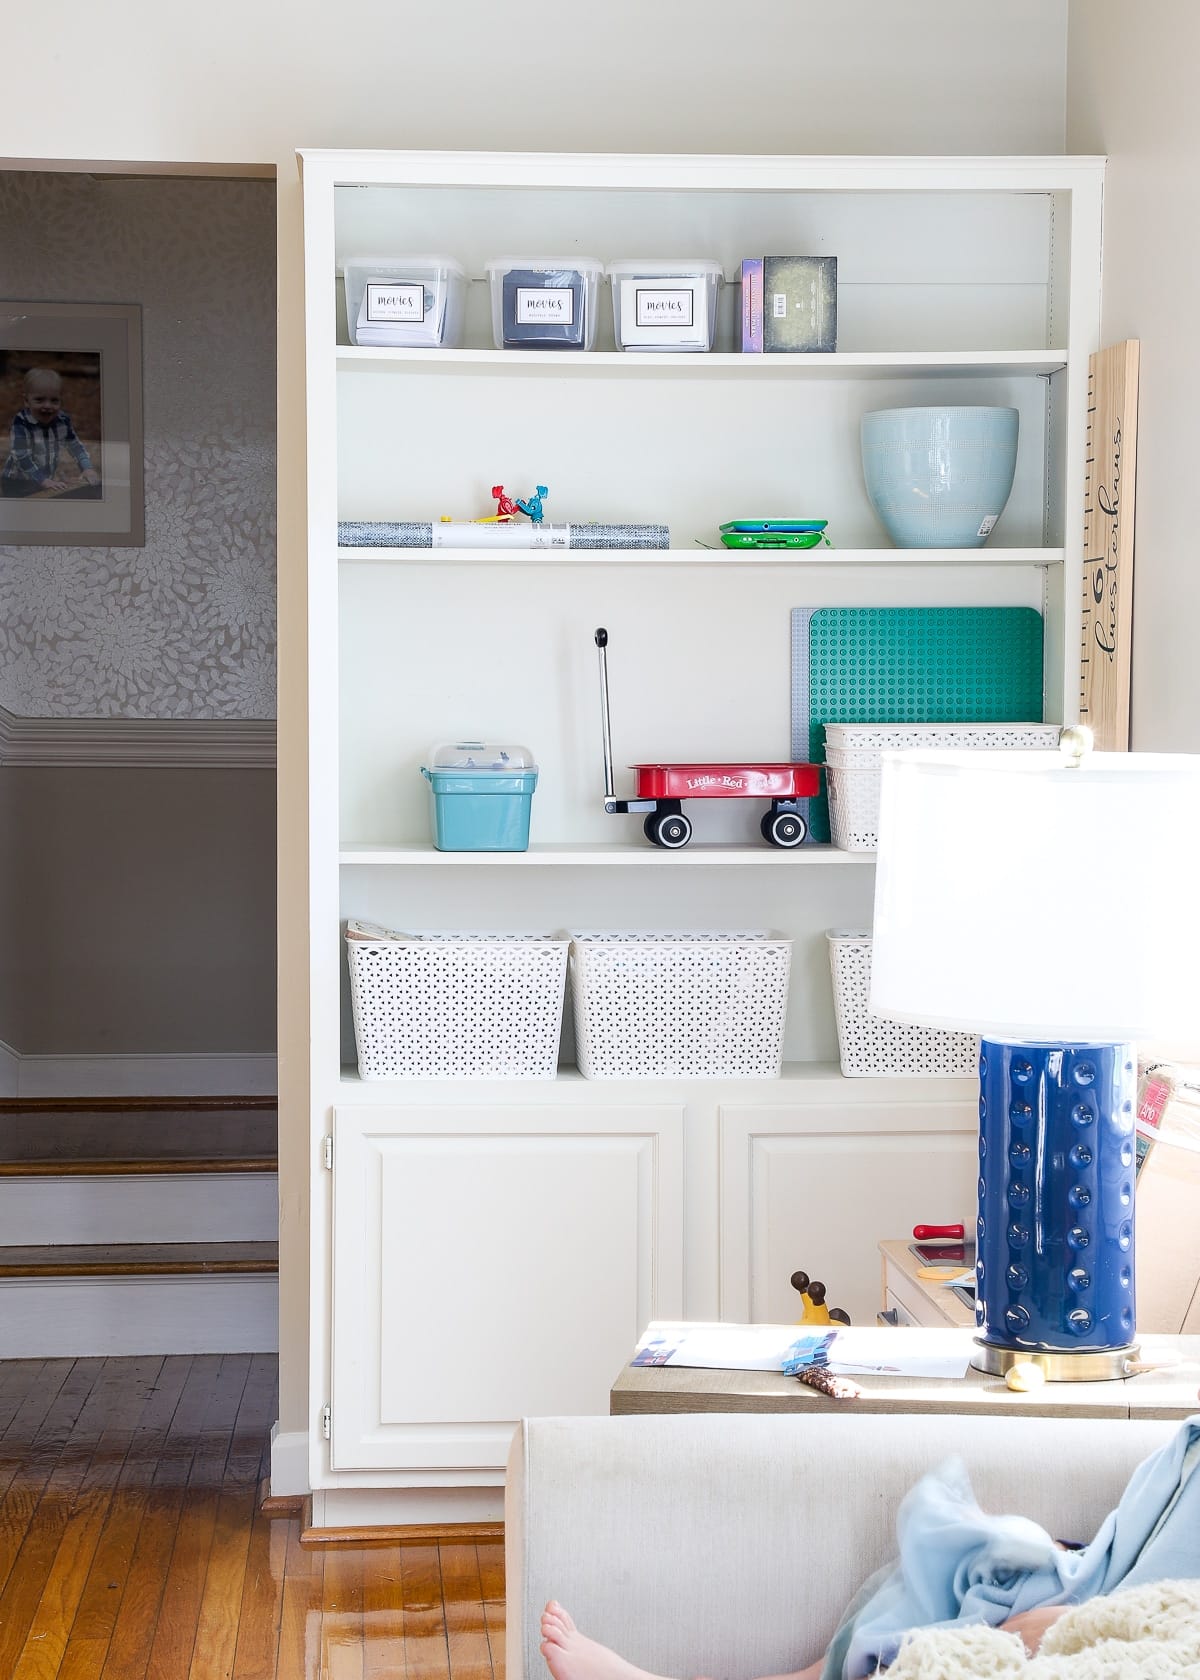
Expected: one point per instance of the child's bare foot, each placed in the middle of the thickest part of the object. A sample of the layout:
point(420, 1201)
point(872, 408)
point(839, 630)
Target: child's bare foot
point(571, 1655)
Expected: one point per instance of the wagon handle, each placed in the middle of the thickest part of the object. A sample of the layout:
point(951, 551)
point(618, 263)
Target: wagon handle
point(602, 645)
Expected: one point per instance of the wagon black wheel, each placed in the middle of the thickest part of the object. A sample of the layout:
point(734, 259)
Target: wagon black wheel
point(784, 828)
point(672, 831)
point(650, 828)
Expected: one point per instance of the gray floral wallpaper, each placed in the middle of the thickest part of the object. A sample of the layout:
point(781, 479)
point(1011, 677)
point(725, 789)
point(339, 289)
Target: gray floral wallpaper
point(184, 627)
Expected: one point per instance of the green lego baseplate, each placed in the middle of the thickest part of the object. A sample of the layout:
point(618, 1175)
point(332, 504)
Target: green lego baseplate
point(910, 665)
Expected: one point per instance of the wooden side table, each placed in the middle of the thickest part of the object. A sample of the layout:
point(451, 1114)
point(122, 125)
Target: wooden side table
point(1169, 1393)
point(917, 1300)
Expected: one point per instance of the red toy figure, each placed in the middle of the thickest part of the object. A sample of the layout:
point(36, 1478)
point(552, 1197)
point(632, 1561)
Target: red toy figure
point(506, 508)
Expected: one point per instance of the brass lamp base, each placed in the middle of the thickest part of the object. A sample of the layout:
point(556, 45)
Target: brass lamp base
point(1057, 1366)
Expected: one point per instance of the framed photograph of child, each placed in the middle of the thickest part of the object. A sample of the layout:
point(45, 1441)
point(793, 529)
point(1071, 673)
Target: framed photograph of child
point(71, 424)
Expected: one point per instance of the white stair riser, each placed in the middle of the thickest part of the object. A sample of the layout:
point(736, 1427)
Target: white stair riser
point(63, 1318)
point(145, 1207)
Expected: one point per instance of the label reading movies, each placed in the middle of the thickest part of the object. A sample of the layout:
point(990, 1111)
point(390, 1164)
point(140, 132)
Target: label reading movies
point(545, 303)
point(665, 306)
point(395, 303)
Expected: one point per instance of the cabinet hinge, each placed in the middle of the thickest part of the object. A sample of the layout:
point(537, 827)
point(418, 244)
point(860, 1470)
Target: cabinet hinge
point(326, 1422)
point(327, 1152)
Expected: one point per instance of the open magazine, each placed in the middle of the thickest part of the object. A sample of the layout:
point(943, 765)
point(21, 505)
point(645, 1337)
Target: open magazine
point(788, 1348)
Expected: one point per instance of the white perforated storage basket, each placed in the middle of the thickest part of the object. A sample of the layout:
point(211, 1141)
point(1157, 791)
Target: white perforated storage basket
point(889, 737)
point(853, 768)
point(679, 1005)
point(457, 1005)
point(870, 1044)
point(853, 808)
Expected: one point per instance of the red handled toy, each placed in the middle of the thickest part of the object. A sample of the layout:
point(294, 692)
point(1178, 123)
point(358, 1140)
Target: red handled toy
point(938, 1233)
point(660, 789)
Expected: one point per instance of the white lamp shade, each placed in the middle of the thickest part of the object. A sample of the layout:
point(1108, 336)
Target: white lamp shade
point(1024, 899)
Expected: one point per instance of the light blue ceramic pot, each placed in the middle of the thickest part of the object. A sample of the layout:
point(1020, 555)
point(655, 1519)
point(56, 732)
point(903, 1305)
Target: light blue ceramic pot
point(939, 477)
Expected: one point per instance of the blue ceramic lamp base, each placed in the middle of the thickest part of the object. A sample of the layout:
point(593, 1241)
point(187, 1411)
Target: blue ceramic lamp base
point(1055, 1259)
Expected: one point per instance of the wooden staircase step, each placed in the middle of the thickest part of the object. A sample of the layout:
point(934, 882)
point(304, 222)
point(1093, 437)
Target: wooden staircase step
point(58, 1167)
point(134, 1105)
point(139, 1260)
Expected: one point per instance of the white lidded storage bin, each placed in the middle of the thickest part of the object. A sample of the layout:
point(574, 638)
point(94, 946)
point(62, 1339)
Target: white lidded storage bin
point(544, 303)
point(418, 302)
point(679, 1005)
point(872, 1045)
point(455, 1005)
point(665, 303)
point(853, 769)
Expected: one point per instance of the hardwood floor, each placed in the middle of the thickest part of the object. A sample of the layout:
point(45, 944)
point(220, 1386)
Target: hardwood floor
point(133, 1545)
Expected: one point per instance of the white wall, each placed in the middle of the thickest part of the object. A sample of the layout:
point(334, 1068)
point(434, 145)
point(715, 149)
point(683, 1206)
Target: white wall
point(249, 81)
point(1132, 94)
point(246, 81)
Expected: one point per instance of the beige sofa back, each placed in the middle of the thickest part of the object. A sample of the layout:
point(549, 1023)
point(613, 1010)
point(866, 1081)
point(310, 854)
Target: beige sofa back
point(729, 1545)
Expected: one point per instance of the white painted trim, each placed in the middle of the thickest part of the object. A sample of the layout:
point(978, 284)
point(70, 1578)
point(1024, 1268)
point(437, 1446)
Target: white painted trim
point(117, 1317)
point(49, 1211)
point(144, 743)
point(289, 1462)
point(144, 1076)
point(10, 1070)
point(397, 1507)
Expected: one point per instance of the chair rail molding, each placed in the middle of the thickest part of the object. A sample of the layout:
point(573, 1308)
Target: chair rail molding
point(146, 743)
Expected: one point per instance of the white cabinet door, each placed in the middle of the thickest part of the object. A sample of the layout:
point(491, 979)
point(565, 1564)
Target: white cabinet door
point(816, 1189)
point(491, 1263)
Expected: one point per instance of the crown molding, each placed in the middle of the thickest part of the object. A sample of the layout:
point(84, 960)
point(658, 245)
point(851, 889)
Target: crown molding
point(143, 743)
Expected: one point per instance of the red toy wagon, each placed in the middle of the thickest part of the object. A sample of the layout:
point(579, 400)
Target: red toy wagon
point(662, 788)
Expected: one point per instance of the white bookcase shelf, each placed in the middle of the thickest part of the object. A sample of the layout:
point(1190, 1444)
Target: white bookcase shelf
point(806, 1079)
point(616, 854)
point(910, 364)
point(804, 560)
point(961, 281)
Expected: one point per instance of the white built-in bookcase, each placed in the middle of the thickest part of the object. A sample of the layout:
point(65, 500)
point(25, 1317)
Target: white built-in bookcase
point(971, 280)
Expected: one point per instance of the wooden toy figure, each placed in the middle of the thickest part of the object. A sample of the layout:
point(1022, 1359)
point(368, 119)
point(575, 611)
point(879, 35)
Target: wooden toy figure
point(533, 507)
point(812, 1294)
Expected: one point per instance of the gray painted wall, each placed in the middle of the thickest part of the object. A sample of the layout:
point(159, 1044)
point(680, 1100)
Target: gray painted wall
point(139, 911)
point(139, 905)
point(184, 626)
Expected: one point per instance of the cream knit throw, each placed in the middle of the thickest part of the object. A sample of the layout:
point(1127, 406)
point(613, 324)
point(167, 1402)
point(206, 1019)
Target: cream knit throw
point(1146, 1633)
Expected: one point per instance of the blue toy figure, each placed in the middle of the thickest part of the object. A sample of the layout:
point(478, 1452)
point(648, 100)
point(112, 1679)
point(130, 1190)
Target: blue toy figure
point(533, 507)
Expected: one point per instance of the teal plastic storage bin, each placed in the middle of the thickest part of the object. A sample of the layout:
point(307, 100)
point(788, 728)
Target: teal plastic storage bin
point(481, 796)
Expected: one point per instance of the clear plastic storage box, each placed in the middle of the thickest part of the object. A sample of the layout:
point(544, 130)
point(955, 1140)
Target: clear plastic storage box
point(406, 301)
point(665, 303)
point(544, 303)
point(482, 792)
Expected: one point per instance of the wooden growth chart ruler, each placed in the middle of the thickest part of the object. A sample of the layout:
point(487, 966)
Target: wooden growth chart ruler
point(1108, 544)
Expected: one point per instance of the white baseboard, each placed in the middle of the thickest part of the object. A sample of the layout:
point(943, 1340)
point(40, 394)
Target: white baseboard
point(400, 1507)
point(138, 1076)
point(81, 1318)
point(10, 1070)
point(289, 1462)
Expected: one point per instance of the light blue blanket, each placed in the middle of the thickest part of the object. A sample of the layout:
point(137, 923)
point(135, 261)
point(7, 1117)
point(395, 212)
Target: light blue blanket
point(957, 1564)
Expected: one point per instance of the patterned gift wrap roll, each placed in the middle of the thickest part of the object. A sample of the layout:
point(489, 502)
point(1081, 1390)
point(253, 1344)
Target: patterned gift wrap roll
point(415, 533)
